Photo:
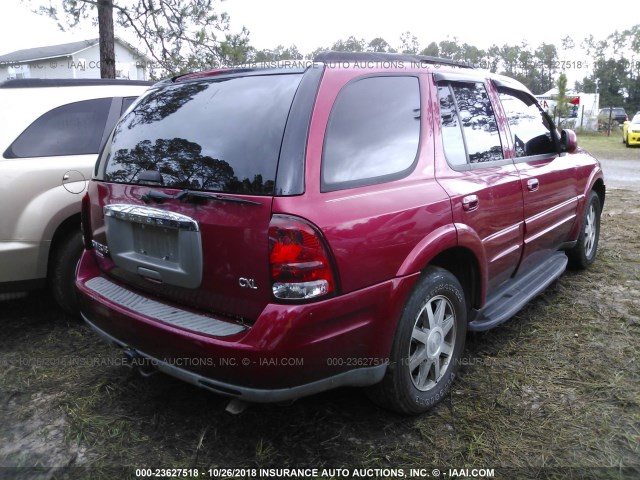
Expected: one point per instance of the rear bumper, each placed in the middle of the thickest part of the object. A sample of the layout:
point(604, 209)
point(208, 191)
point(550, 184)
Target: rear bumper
point(289, 352)
point(357, 377)
point(23, 261)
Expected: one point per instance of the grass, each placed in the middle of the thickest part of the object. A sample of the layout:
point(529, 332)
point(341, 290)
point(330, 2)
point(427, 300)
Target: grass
point(609, 147)
point(557, 386)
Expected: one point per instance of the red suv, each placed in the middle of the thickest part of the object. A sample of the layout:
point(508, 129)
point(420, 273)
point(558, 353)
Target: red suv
point(270, 233)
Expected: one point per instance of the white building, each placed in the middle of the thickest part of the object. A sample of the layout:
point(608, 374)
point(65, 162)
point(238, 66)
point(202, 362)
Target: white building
point(73, 60)
point(585, 108)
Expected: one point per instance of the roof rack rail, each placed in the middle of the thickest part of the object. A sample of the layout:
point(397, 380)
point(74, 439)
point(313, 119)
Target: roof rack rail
point(256, 67)
point(66, 82)
point(208, 73)
point(330, 56)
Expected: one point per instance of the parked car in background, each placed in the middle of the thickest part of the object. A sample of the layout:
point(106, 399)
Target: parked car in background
point(614, 115)
point(270, 233)
point(50, 134)
point(631, 131)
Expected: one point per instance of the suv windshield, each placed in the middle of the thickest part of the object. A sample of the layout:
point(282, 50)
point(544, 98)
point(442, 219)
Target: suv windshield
point(220, 135)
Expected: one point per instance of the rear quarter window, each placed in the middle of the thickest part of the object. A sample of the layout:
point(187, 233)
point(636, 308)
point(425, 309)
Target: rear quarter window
point(71, 129)
point(373, 132)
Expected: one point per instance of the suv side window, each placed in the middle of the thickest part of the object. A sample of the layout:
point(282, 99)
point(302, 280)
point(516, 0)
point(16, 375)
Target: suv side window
point(452, 139)
point(530, 130)
point(469, 129)
point(72, 129)
point(373, 132)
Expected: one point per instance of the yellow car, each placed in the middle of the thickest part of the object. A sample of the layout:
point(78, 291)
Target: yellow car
point(631, 131)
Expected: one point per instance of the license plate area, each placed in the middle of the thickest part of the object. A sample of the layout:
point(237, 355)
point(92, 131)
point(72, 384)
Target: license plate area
point(156, 242)
point(159, 245)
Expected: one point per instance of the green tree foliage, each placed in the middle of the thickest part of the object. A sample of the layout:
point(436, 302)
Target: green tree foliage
point(510, 59)
point(409, 43)
point(432, 50)
point(379, 45)
point(615, 72)
point(562, 109)
point(279, 53)
point(534, 68)
point(492, 59)
point(351, 44)
point(610, 78)
point(449, 48)
point(547, 63)
point(568, 43)
point(472, 54)
point(179, 35)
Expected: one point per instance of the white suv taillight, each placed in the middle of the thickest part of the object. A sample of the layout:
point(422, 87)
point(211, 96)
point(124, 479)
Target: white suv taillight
point(299, 260)
point(85, 222)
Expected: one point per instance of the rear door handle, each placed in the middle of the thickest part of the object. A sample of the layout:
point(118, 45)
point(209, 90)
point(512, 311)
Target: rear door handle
point(470, 203)
point(533, 184)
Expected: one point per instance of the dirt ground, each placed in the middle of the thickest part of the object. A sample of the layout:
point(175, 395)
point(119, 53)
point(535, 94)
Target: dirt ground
point(553, 393)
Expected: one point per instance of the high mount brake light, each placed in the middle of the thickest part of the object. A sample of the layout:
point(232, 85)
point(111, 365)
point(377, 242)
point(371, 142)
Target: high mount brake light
point(299, 260)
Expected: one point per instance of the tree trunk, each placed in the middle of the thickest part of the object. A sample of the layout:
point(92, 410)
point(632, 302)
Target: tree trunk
point(107, 41)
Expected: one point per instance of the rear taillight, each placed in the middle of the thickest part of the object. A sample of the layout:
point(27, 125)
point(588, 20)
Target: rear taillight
point(85, 222)
point(300, 264)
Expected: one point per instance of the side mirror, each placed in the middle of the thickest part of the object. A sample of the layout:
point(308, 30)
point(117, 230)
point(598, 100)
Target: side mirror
point(568, 141)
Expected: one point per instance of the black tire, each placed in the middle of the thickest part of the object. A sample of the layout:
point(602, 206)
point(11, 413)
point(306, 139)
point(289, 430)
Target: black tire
point(585, 251)
point(62, 271)
point(411, 384)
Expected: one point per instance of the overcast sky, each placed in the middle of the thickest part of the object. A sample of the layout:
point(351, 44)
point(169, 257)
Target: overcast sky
point(311, 24)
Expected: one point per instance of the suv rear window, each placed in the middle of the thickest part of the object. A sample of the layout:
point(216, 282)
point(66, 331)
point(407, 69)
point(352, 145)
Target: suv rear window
point(220, 135)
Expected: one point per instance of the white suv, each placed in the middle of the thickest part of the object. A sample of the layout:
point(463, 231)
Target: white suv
point(50, 135)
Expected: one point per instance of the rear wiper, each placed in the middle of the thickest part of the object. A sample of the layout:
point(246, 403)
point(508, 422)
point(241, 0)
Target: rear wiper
point(156, 196)
point(193, 197)
point(190, 196)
